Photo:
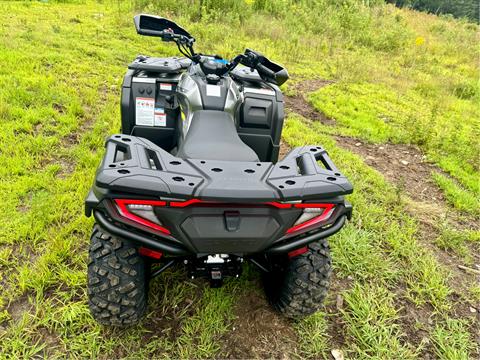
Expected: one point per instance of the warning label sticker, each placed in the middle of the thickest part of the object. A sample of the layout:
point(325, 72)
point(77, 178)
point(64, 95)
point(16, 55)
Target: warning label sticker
point(160, 117)
point(144, 111)
point(214, 90)
point(166, 86)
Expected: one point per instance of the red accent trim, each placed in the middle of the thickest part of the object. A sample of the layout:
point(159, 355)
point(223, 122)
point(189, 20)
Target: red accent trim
point(326, 213)
point(123, 210)
point(186, 203)
point(311, 205)
point(279, 205)
point(297, 252)
point(150, 253)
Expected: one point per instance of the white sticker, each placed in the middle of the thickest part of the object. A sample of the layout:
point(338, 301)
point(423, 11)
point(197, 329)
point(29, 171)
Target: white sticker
point(259, 91)
point(165, 86)
point(160, 117)
point(144, 111)
point(213, 90)
point(144, 80)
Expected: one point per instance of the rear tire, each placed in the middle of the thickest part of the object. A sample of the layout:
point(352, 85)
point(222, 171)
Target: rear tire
point(117, 283)
point(299, 285)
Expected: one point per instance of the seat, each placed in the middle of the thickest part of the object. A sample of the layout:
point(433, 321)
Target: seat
point(213, 136)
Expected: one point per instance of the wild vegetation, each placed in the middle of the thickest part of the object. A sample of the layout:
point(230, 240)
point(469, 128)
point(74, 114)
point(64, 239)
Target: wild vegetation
point(394, 76)
point(460, 8)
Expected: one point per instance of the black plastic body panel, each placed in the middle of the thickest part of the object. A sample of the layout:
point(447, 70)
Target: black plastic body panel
point(158, 90)
point(164, 65)
point(212, 102)
point(145, 169)
point(261, 119)
point(240, 221)
point(203, 230)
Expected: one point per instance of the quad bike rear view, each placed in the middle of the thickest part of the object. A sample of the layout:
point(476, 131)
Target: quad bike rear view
point(194, 179)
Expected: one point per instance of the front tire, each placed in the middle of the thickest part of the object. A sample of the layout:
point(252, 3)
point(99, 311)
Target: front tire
point(117, 283)
point(299, 285)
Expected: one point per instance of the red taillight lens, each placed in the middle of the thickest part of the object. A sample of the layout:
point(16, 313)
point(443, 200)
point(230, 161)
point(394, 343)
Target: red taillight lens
point(297, 252)
point(141, 212)
point(157, 255)
point(312, 215)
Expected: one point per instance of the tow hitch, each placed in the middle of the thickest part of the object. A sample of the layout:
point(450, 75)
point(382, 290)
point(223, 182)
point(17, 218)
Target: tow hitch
point(215, 268)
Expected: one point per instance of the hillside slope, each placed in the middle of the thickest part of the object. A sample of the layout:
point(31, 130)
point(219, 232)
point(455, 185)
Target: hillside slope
point(391, 93)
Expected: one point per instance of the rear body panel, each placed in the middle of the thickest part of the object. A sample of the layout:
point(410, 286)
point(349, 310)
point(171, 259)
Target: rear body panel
point(212, 207)
point(137, 166)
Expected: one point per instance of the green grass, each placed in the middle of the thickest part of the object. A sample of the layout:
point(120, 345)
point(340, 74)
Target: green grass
point(383, 242)
point(371, 320)
point(428, 97)
point(460, 241)
point(313, 335)
point(450, 340)
point(62, 67)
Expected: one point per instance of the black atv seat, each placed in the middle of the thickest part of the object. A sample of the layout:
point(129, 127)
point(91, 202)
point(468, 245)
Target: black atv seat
point(213, 136)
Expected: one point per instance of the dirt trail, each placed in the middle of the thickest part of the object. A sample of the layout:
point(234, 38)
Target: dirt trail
point(298, 103)
point(258, 331)
point(406, 167)
point(403, 165)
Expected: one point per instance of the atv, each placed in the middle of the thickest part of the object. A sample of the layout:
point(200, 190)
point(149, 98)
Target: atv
point(194, 179)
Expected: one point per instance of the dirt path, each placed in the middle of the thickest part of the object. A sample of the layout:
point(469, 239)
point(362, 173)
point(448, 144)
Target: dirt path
point(407, 168)
point(258, 331)
point(298, 103)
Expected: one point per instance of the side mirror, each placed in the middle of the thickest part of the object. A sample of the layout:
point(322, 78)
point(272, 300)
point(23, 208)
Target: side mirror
point(268, 70)
point(275, 73)
point(150, 25)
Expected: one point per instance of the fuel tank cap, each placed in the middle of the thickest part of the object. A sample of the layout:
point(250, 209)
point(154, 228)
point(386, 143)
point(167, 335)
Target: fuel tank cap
point(213, 79)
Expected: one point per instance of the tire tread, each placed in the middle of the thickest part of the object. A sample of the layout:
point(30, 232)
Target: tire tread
point(304, 283)
point(116, 280)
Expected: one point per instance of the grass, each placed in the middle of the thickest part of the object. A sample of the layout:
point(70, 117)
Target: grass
point(392, 264)
point(312, 333)
point(62, 66)
point(450, 341)
point(429, 98)
point(371, 318)
point(460, 241)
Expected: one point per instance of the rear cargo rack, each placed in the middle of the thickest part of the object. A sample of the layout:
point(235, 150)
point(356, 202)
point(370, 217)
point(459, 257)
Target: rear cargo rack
point(136, 166)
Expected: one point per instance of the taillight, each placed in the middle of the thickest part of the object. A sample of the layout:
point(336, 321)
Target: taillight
point(297, 252)
point(142, 212)
point(157, 255)
point(312, 215)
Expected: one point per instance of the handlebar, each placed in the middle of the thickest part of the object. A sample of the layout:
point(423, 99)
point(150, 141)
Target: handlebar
point(268, 71)
point(250, 59)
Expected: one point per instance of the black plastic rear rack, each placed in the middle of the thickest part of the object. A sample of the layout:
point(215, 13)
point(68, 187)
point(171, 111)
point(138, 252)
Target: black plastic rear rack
point(134, 166)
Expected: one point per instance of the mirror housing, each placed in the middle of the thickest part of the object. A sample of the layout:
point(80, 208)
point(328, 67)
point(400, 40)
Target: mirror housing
point(150, 25)
point(268, 70)
point(275, 73)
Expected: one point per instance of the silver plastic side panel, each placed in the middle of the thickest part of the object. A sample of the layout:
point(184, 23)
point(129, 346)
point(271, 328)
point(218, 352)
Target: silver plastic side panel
point(259, 90)
point(233, 99)
point(190, 100)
